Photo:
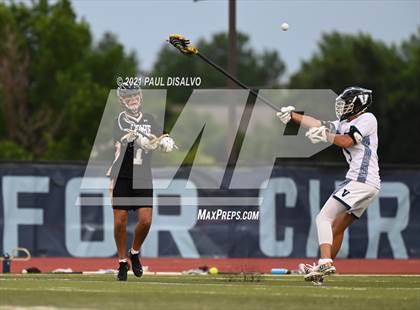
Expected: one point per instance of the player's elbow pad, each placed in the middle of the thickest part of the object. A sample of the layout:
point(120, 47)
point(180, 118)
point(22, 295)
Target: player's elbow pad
point(355, 134)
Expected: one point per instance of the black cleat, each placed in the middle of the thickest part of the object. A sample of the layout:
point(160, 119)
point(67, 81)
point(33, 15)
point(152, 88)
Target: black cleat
point(122, 271)
point(136, 264)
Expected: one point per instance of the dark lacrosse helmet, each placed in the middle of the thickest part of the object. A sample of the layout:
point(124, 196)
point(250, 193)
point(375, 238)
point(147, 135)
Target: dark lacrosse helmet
point(352, 101)
point(131, 97)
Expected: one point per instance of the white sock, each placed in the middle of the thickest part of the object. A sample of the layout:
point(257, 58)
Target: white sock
point(134, 252)
point(323, 261)
point(122, 260)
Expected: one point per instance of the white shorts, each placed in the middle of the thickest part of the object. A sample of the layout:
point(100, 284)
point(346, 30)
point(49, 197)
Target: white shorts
point(355, 196)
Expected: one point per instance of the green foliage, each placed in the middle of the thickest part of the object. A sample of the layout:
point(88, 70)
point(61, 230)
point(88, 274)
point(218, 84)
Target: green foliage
point(391, 72)
point(11, 151)
point(54, 79)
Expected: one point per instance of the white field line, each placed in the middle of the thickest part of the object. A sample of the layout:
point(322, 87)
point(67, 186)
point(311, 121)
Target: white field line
point(325, 296)
point(238, 282)
point(150, 273)
point(259, 287)
point(263, 286)
point(235, 283)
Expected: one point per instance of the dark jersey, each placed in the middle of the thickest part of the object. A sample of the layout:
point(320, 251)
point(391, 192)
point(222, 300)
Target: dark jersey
point(130, 160)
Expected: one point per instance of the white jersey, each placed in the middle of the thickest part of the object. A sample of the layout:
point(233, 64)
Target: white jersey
point(362, 157)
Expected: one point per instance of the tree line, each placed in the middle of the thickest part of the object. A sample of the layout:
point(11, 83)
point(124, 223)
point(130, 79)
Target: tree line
point(55, 79)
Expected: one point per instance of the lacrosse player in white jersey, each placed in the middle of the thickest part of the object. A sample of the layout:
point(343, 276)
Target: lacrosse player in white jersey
point(355, 132)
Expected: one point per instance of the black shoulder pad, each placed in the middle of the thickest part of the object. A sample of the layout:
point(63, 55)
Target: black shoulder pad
point(355, 134)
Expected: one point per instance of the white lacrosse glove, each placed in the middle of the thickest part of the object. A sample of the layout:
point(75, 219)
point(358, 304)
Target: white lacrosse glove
point(167, 144)
point(147, 144)
point(317, 134)
point(285, 114)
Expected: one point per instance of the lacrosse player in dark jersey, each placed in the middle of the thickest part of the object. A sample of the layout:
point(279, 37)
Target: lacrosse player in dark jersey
point(136, 136)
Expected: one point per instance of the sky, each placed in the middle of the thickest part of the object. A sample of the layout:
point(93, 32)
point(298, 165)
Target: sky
point(144, 25)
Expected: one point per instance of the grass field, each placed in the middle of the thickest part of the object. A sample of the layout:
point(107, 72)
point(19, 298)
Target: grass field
point(208, 292)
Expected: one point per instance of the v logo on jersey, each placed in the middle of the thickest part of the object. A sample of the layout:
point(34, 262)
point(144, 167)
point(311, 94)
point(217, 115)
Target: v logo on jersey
point(345, 192)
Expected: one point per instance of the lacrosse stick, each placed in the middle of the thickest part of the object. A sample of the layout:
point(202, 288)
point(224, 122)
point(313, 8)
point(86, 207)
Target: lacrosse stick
point(183, 45)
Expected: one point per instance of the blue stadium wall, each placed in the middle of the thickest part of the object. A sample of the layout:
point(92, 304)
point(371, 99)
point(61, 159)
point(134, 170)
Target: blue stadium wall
point(36, 213)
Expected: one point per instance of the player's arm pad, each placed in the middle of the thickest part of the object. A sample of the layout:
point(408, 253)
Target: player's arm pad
point(355, 134)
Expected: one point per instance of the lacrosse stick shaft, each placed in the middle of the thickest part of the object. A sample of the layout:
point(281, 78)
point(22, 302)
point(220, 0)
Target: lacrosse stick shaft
point(225, 73)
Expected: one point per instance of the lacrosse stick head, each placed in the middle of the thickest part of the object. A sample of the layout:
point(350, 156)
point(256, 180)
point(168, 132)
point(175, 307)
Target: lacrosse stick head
point(182, 44)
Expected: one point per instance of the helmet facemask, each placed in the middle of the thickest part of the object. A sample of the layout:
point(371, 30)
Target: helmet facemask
point(132, 104)
point(343, 107)
point(131, 100)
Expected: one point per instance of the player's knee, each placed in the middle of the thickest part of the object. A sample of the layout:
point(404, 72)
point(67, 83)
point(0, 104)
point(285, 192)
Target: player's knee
point(339, 226)
point(120, 222)
point(147, 222)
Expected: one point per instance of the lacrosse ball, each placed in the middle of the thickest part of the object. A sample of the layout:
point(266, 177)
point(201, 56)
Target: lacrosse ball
point(285, 26)
point(213, 270)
